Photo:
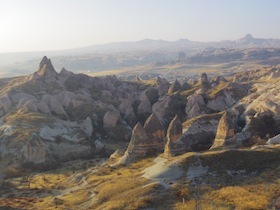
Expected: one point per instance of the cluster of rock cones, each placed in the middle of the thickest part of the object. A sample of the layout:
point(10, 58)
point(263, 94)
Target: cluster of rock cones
point(151, 139)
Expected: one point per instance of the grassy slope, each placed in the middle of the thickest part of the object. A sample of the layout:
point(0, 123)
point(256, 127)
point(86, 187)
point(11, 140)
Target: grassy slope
point(93, 184)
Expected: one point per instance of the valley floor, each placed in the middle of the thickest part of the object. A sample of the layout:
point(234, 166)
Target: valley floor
point(235, 179)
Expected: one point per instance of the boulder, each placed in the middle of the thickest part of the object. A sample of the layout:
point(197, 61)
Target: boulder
point(54, 106)
point(86, 126)
point(111, 118)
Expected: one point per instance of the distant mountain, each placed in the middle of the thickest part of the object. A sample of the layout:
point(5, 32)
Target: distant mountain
point(125, 54)
point(181, 44)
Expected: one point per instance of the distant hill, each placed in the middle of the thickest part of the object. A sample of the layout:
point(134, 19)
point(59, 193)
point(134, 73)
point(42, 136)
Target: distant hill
point(128, 54)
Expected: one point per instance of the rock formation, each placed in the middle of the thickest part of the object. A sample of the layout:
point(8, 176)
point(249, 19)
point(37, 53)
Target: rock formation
point(175, 86)
point(147, 140)
point(274, 140)
point(195, 106)
point(155, 132)
point(225, 137)
point(174, 132)
point(138, 146)
point(199, 132)
point(204, 83)
point(51, 117)
point(162, 86)
point(111, 118)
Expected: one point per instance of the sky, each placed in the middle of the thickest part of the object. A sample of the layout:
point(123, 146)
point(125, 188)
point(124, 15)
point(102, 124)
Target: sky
point(39, 25)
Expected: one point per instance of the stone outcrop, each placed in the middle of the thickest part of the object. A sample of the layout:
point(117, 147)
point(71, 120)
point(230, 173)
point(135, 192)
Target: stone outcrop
point(174, 132)
point(54, 106)
point(195, 106)
point(147, 140)
point(145, 107)
point(34, 150)
point(138, 145)
point(224, 96)
point(218, 80)
point(111, 118)
point(86, 126)
point(162, 86)
point(155, 132)
point(199, 133)
point(274, 140)
point(205, 84)
point(175, 86)
point(225, 137)
point(160, 107)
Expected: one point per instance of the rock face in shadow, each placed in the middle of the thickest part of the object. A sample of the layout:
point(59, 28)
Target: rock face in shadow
point(195, 106)
point(225, 137)
point(175, 86)
point(204, 83)
point(199, 132)
point(174, 132)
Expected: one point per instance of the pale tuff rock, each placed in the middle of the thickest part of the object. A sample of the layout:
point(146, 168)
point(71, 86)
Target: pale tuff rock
point(222, 102)
point(225, 136)
point(144, 140)
point(65, 73)
point(86, 126)
point(138, 142)
point(46, 71)
point(274, 140)
point(174, 132)
point(204, 78)
point(99, 146)
point(218, 80)
point(5, 105)
point(117, 154)
point(54, 105)
point(34, 150)
point(111, 118)
point(126, 109)
point(155, 131)
point(199, 133)
point(145, 106)
point(195, 106)
point(175, 86)
point(138, 146)
point(160, 107)
point(162, 86)
point(204, 83)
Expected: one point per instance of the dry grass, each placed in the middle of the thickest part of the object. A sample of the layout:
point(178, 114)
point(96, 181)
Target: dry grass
point(121, 187)
point(245, 197)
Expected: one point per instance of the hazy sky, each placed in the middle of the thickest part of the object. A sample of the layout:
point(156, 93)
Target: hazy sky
point(29, 25)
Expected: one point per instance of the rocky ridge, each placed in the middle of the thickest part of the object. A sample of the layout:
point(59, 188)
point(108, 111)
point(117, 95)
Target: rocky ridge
point(48, 117)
